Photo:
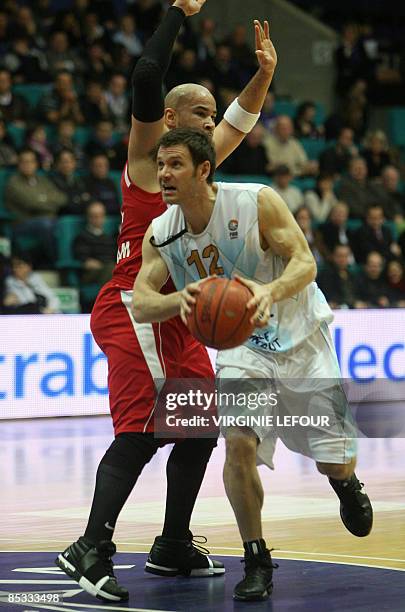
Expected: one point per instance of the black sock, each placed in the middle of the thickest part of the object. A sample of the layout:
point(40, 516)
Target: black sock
point(185, 472)
point(255, 547)
point(116, 476)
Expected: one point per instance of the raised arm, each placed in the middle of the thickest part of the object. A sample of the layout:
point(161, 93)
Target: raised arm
point(281, 233)
point(147, 92)
point(147, 303)
point(243, 113)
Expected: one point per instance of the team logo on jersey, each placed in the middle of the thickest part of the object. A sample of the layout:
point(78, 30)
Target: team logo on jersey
point(233, 228)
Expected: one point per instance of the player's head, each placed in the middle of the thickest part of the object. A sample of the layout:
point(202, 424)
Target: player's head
point(191, 106)
point(186, 161)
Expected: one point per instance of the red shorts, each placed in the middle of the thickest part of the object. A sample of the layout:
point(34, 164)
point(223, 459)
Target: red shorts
point(140, 355)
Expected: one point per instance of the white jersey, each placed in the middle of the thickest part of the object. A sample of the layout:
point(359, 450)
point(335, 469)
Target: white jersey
point(229, 245)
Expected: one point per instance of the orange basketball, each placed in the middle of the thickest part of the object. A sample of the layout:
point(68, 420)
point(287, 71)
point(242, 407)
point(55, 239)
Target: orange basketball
point(219, 317)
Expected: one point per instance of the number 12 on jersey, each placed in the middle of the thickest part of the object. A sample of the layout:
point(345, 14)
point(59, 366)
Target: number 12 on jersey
point(210, 252)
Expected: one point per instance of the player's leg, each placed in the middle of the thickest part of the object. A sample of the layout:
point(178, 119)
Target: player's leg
point(332, 446)
point(241, 372)
point(131, 391)
point(173, 552)
point(245, 493)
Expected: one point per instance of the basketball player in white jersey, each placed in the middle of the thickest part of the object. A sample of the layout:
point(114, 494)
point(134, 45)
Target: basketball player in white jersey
point(246, 230)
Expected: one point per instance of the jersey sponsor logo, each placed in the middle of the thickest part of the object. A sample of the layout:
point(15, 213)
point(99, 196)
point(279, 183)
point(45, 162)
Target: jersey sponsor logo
point(124, 251)
point(233, 228)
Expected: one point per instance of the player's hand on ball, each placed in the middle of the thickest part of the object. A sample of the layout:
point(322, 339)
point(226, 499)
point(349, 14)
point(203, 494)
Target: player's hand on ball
point(188, 298)
point(261, 300)
point(265, 51)
point(190, 7)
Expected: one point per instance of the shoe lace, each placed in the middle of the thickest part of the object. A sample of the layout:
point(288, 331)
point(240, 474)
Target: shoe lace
point(105, 551)
point(197, 541)
point(261, 560)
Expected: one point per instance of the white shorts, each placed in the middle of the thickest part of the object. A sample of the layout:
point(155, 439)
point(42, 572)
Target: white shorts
point(311, 415)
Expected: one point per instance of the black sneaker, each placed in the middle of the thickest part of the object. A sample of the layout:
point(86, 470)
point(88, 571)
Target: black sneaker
point(356, 510)
point(170, 557)
point(92, 568)
point(257, 585)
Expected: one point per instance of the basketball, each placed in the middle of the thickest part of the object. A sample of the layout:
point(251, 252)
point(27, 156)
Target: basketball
point(219, 318)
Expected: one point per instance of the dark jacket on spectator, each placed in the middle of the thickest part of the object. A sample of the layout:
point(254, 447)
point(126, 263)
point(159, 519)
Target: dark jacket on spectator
point(338, 289)
point(365, 240)
point(371, 290)
point(105, 191)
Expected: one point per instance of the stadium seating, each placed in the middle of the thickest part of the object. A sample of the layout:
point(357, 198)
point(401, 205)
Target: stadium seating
point(396, 126)
point(31, 92)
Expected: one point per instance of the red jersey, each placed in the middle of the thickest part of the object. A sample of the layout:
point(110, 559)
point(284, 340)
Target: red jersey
point(139, 208)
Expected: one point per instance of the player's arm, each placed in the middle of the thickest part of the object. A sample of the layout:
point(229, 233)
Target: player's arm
point(281, 233)
point(147, 122)
point(148, 304)
point(244, 112)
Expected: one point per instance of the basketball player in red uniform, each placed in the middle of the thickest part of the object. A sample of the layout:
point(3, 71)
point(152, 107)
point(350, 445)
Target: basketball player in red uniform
point(141, 357)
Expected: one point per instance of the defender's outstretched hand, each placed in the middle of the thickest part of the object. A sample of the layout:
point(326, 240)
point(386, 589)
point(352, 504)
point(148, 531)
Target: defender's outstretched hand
point(265, 51)
point(190, 7)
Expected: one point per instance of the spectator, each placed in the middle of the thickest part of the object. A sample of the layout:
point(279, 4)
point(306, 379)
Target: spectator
point(26, 292)
point(93, 105)
point(321, 200)
point(304, 220)
point(65, 132)
point(283, 148)
point(206, 44)
point(390, 196)
point(37, 141)
point(290, 194)
point(117, 102)
point(62, 58)
point(304, 122)
point(242, 52)
point(351, 60)
point(355, 109)
point(4, 32)
point(13, 108)
point(395, 278)
point(184, 70)
point(26, 25)
point(222, 71)
point(335, 160)
point(103, 143)
point(100, 186)
point(8, 155)
point(92, 30)
point(376, 153)
point(335, 231)
point(97, 252)
point(356, 190)
point(371, 286)
point(269, 115)
point(128, 37)
point(374, 236)
point(34, 201)
point(338, 282)
point(26, 64)
point(98, 62)
point(250, 157)
point(147, 15)
point(94, 248)
point(61, 102)
point(67, 182)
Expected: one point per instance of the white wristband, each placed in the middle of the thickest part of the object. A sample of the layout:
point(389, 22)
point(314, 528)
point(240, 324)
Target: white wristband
point(239, 118)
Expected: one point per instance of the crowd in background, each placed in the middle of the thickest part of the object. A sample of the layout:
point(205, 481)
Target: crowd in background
point(61, 154)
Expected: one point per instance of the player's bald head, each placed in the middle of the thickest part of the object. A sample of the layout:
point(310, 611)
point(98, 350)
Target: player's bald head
point(185, 94)
point(191, 106)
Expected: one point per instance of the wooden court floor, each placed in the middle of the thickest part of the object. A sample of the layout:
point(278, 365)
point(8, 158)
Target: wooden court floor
point(47, 479)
